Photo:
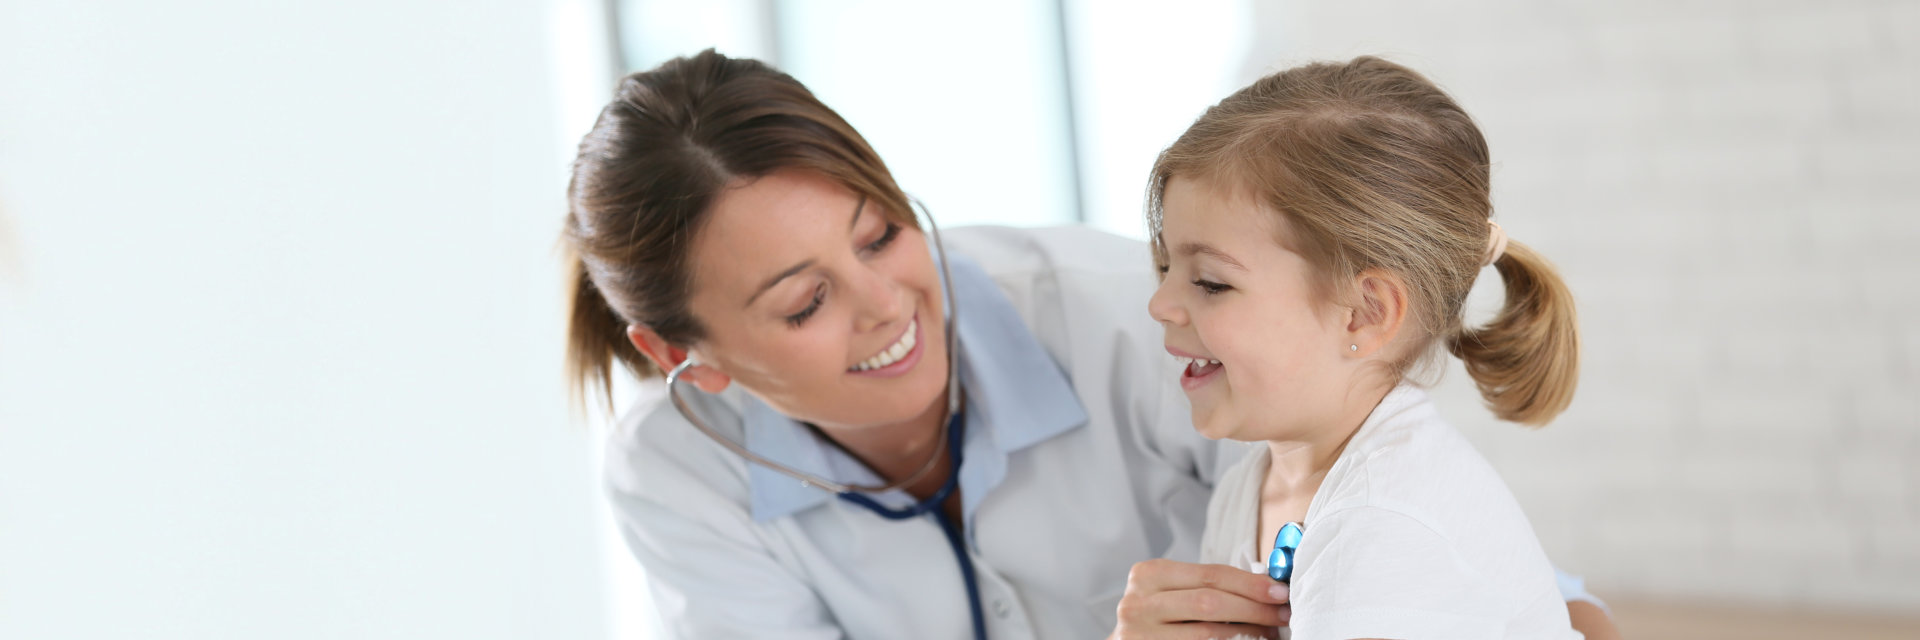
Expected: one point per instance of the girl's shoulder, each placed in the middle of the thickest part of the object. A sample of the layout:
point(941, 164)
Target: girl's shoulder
point(1407, 459)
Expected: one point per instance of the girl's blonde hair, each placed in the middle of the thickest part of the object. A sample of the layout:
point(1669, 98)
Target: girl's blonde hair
point(1373, 167)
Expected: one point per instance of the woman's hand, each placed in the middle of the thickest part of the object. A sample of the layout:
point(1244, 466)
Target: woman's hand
point(1181, 600)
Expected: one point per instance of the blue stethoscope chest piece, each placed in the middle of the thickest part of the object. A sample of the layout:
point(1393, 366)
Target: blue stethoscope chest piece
point(1280, 560)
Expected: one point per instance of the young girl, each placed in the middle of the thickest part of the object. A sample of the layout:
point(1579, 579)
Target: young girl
point(1318, 232)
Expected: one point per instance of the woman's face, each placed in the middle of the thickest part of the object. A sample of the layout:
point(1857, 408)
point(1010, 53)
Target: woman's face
point(818, 304)
point(1232, 293)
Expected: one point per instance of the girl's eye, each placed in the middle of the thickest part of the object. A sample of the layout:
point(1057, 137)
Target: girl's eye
point(819, 294)
point(1211, 287)
point(893, 231)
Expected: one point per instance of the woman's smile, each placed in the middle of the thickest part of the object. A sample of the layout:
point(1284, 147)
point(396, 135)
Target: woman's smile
point(898, 358)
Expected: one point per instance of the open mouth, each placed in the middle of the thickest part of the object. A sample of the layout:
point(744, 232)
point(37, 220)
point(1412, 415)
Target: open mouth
point(897, 358)
point(1197, 372)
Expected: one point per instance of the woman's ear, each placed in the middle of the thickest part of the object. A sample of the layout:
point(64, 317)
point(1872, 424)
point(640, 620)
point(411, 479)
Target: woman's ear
point(666, 357)
point(1379, 311)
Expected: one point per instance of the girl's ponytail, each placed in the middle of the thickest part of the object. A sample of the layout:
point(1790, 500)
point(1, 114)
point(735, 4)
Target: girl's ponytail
point(1527, 360)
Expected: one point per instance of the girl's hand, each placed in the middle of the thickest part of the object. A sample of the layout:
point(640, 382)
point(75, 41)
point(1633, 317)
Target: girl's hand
point(1181, 600)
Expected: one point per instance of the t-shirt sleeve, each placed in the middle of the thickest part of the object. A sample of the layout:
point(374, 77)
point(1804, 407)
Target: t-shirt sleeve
point(1369, 572)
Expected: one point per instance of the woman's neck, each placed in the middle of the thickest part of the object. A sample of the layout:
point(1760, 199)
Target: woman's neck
point(899, 450)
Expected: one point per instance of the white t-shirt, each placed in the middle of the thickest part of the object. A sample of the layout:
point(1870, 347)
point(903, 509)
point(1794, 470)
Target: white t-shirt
point(1411, 535)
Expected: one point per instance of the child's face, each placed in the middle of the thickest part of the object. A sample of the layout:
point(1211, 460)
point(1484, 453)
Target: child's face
point(1232, 293)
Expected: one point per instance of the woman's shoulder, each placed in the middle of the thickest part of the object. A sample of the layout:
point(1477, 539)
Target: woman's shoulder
point(1072, 286)
point(653, 453)
point(1008, 250)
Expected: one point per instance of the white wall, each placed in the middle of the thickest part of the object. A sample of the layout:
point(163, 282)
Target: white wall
point(1729, 189)
point(1143, 70)
point(283, 356)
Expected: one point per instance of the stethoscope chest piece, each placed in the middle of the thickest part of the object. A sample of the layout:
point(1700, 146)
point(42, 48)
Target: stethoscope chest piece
point(1280, 560)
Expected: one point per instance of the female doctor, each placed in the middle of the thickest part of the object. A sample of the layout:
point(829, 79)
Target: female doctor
point(876, 432)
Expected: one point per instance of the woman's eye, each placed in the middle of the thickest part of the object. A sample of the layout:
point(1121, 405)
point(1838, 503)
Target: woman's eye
point(819, 294)
point(1210, 287)
point(893, 231)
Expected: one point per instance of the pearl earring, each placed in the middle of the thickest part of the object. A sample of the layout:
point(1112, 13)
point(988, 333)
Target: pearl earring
point(1353, 347)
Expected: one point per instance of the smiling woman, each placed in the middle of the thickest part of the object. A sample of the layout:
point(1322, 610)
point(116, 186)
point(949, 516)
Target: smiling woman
point(730, 228)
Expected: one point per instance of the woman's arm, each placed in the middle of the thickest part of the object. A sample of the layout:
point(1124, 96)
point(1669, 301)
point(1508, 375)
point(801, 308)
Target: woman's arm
point(1585, 611)
point(1167, 599)
point(718, 582)
point(1588, 618)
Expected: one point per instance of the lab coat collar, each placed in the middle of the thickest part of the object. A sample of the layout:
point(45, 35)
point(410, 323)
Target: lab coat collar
point(1012, 386)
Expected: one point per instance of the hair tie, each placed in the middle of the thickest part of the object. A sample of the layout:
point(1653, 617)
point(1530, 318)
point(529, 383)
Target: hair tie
point(1496, 243)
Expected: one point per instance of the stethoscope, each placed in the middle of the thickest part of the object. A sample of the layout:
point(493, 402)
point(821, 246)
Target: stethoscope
point(952, 429)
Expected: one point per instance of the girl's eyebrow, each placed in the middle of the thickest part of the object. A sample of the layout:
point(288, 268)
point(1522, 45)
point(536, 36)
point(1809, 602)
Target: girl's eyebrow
point(1190, 249)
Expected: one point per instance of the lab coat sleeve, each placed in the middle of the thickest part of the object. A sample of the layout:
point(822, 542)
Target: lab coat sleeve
point(712, 576)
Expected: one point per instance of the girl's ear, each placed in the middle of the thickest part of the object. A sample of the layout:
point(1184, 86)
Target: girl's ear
point(1379, 312)
point(666, 356)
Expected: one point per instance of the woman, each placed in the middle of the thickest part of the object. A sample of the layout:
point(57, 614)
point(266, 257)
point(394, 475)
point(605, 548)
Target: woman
point(729, 227)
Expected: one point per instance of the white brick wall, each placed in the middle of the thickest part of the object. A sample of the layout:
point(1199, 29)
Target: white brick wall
point(1732, 189)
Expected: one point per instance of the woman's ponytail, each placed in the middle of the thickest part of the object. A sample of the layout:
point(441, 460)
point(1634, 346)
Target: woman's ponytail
point(1527, 360)
point(596, 340)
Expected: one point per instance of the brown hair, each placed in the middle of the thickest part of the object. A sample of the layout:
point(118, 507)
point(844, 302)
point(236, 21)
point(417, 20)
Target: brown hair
point(1372, 166)
point(671, 141)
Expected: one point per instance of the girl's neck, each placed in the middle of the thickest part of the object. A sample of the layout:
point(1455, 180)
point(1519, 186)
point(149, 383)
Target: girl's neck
point(1298, 465)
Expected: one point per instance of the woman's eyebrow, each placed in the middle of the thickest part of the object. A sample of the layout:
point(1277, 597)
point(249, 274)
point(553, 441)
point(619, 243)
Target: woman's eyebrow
point(804, 264)
point(1190, 249)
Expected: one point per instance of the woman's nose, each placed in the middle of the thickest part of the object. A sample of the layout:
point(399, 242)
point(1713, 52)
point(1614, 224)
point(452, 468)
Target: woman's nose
point(880, 300)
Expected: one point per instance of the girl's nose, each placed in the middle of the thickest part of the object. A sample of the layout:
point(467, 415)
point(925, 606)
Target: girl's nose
point(1163, 308)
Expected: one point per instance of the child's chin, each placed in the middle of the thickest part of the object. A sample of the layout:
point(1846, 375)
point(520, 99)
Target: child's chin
point(1212, 426)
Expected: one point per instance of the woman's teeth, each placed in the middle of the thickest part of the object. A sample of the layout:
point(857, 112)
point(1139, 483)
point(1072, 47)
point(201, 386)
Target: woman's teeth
point(893, 354)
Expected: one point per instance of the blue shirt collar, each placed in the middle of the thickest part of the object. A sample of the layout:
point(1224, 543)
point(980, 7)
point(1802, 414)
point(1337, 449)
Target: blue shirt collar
point(1014, 391)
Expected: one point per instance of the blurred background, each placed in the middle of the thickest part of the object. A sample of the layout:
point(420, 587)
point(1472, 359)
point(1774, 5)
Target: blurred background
point(280, 310)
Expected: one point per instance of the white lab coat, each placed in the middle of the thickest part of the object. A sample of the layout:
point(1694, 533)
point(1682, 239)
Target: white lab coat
point(734, 551)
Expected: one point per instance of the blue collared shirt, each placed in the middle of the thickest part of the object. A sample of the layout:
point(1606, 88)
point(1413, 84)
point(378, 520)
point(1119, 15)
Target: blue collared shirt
point(1016, 396)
